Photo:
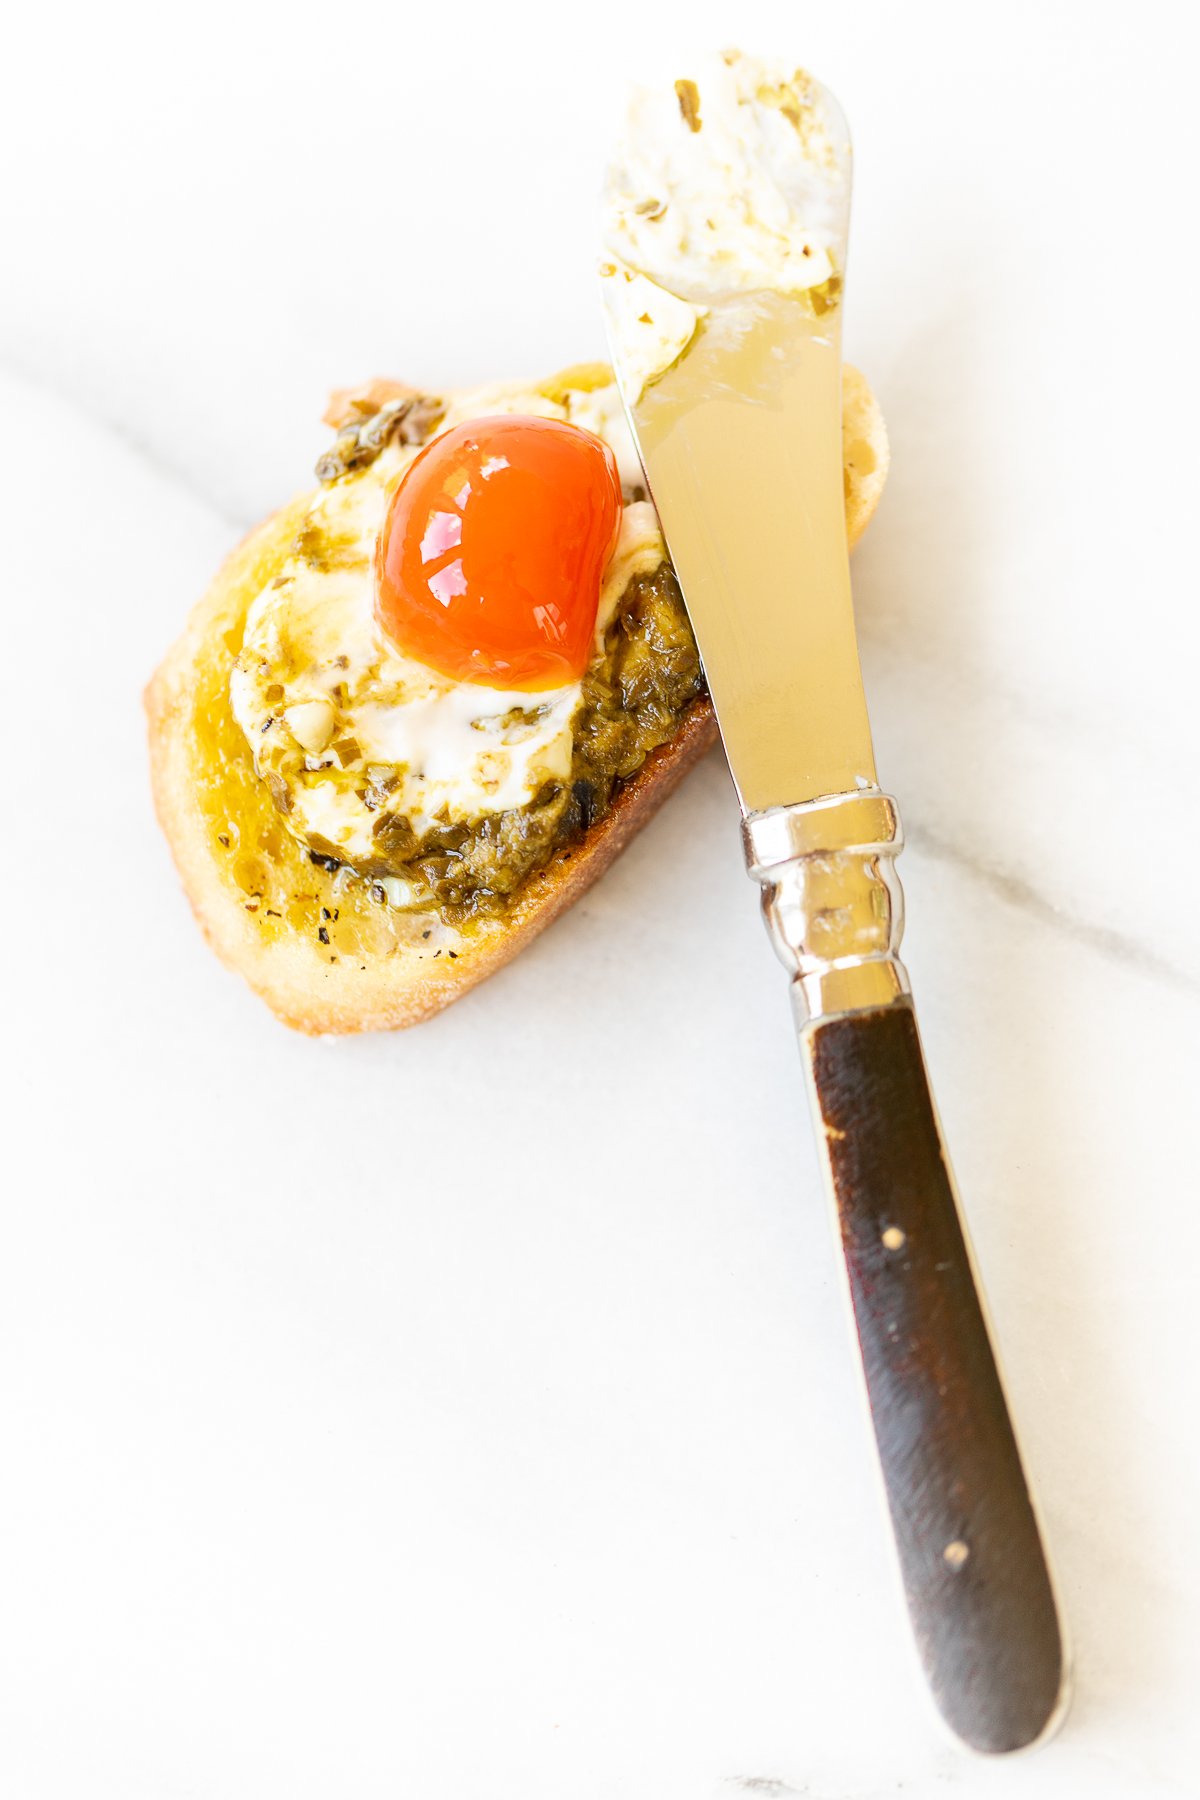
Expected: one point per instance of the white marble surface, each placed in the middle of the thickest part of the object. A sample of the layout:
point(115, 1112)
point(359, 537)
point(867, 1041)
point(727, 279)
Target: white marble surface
point(470, 1413)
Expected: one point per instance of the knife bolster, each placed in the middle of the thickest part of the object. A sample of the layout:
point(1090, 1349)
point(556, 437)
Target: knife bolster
point(832, 899)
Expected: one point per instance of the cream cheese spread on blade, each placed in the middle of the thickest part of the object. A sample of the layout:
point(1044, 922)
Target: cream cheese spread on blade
point(319, 692)
point(734, 179)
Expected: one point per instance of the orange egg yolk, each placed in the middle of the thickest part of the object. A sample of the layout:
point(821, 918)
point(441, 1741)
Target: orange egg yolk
point(490, 561)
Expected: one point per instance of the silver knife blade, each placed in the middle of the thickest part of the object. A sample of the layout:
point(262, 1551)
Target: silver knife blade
point(741, 442)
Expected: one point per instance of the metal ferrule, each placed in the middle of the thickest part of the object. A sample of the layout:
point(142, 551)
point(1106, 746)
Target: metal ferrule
point(832, 899)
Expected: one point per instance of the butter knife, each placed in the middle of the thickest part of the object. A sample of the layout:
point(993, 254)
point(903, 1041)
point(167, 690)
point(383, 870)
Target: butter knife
point(740, 439)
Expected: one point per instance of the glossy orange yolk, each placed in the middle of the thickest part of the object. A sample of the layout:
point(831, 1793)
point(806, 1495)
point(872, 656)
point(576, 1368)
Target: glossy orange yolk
point(492, 554)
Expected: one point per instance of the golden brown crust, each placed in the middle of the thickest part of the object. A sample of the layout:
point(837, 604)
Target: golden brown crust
point(357, 981)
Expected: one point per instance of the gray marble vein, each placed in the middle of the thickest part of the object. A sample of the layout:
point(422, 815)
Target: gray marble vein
point(1025, 897)
point(145, 443)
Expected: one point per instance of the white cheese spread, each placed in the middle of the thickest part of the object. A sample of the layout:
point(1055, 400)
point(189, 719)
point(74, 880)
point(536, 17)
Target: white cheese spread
point(733, 179)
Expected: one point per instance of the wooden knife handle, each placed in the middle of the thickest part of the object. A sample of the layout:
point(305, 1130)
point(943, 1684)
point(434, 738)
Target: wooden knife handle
point(974, 1570)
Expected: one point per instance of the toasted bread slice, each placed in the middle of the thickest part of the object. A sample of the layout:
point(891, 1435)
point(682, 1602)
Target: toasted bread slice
point(322, 946)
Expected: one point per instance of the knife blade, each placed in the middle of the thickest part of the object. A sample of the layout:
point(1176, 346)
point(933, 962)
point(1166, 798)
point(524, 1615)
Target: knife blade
point(741, 441)
point(740, 438)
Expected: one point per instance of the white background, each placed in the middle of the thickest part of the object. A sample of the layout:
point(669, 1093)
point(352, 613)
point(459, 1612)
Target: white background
point(469, 1415)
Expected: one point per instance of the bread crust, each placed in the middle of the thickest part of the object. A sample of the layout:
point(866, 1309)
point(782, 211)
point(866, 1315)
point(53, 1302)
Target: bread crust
point(359, 973)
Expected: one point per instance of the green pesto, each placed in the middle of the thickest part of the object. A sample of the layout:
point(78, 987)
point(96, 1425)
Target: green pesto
point(634, 699)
